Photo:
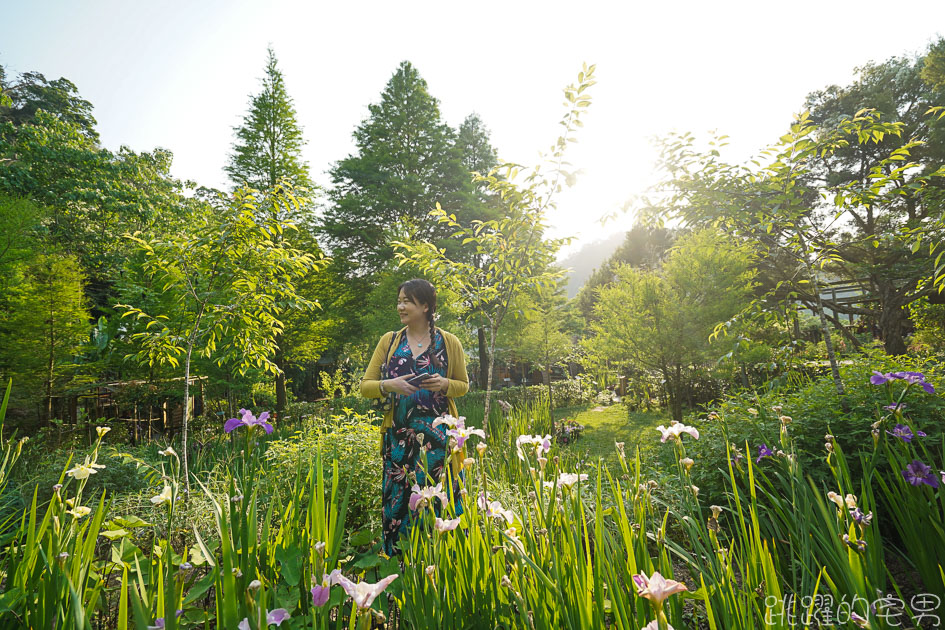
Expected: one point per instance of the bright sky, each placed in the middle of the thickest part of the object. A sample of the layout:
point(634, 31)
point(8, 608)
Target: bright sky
point(178, 74)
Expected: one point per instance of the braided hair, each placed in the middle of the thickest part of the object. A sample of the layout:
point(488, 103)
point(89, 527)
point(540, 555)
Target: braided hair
point(420, 291)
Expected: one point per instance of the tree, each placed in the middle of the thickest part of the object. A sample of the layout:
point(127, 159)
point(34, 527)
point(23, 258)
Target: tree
point(268, 146)
point(22, 98)
point(19, 222)
point(933, 66)
point(662, 319)
point(644, 247)
point(889, 272)
point(543, 341)
point(406, 162)
point(478, 156)
point(44, 325)
point(92, 196)
point(267, 153)
point(776, 205)
point(514, 254)
point(232, 279)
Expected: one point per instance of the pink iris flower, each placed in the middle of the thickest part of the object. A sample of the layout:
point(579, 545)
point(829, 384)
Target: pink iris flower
point(273, 618)
point(364, 593)
point(426, 494)
point(441, 525)
point(495, 509)
point(542, 444)
point(450, 421)
point(656, 588)
point(567, 480)
point(320, 592)
point(462, 434)
point(675, 430)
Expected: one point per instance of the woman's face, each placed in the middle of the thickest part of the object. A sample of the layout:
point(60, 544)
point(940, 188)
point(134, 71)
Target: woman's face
point(410, 312)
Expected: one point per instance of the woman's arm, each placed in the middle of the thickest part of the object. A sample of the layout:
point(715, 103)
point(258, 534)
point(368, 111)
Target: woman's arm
point(371, 381)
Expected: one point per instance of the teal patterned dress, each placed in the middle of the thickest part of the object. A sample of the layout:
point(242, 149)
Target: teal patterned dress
point(403, 452)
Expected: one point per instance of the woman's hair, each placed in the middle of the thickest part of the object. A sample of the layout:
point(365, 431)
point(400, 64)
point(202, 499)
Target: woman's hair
point(419, 291)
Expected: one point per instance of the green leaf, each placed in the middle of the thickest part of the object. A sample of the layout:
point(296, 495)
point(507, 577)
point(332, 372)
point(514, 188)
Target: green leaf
point(361, 538)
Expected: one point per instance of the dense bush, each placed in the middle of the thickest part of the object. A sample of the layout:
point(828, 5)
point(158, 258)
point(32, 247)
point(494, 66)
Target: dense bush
point(814, 411)
point(354, 440)
point(566, 393)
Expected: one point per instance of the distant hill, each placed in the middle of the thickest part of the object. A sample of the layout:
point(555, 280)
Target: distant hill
point(584, 261)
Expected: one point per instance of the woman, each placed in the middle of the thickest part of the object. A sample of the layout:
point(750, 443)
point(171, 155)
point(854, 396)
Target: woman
point(411, 447)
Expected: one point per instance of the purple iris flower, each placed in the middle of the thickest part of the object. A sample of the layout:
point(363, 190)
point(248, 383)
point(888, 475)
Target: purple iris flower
point(249, 420)
point(895, 407)
point(903, 432)
point(878, 378)
point(277, 616)
point(860, 517)
point(915, 377)
point(320, 595)
point(918, 473)
point(764, 451)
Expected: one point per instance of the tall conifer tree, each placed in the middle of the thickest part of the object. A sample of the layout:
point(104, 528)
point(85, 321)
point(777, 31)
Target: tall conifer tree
point(269, 143)
point(267, 151)
point(406, 162)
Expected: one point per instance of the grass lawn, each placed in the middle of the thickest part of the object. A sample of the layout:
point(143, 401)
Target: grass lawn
point(612, 424)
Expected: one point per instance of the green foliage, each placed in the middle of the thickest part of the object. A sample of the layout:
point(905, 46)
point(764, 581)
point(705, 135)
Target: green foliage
point(224, 286)
point(44, 326)
point(509, 254)
point(230, 278)
point(929, 322)
point(811, 404)
point(406, 162)
point(269, 143)
point(353, 440)
point(663, 320)
point(31, 92)
point(643, 246)
point(19, 226)
point(848, 189)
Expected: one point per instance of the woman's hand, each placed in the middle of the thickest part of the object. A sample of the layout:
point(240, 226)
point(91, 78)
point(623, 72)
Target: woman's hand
point(400, 385)
point(436, 383)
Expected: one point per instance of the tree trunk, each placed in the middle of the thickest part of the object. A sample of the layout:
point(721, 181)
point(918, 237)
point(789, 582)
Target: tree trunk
point(551, 403)
point(51, 364)
point(828, 342)
point(892, 322)
point(491, 361)
point(677, 394)
point(186, 417)
point(483, 357)
point(671, 391)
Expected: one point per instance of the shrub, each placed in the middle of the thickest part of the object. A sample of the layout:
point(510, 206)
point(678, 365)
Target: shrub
point(814, 411)
point(352, 438)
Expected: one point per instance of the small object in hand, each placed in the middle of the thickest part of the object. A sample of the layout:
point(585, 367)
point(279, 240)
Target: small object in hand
point(417, 380)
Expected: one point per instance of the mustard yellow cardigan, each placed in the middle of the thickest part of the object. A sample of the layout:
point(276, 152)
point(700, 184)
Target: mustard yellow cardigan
point(455, 371)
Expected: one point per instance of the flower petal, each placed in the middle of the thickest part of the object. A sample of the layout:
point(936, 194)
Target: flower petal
point(277, 616)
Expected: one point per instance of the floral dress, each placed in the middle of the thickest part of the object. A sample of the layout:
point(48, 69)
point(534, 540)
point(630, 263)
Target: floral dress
point(411, 436)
